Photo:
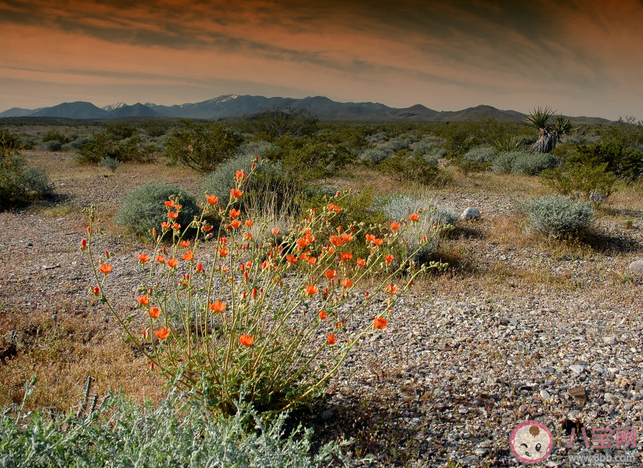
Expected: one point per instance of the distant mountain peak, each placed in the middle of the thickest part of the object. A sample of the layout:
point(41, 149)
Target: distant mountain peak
point(116, 105)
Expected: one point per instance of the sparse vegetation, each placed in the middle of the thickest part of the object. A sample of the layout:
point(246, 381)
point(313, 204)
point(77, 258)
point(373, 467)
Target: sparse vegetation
point(559, 216)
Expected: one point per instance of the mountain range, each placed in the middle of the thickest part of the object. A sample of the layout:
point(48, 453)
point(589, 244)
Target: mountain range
point(232, 105)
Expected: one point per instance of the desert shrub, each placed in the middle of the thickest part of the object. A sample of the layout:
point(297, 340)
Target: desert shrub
point(143, 210)
point(53, 145)
point(202, 145)
point(9, 141)
point(178, 431)
point(373, 156)
point(429, 147)
point(274, 124)
point(377, 138)
point(120, 131)
point(55, 135)
point(421, 236)
point(581, 181)
point(79, 142)
point(20, 184)
point(480, 154)
point(397, 144)
point(308, 159)
point(28, 142)
point(242, 333)
point(110, 163)
point(533, 163)
point(422, 169)
point(504, 162)
point(100, 146)
point(624, 161)
point(558, 216)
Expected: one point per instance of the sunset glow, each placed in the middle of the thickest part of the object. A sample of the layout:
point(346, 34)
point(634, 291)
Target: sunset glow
point(580, 57)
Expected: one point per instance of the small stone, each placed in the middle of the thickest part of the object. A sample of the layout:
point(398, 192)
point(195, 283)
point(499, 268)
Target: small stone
point(481, 451)
point(463, 410)
point(578, 394)
point(598, 368)
point(544, 394)
point(577, 369)
point(609, 340)
point(636, 266)
point(470, 213)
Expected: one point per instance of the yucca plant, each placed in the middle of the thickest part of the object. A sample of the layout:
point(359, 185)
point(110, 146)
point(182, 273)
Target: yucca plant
point(549, 131)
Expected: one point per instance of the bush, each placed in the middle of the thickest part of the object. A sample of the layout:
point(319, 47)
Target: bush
point(274, 124)
point(178, 431)
point(9, 141)
point(143, 210)
point(581, 181)
point(480, 154)
point(111, 163)
point(373, 156)
point(422, 236)
point(100, 146)
point(558, 216)
point(55, 135)
point(228, 317)
point(429, 147)
point(202, 146)
point(504, 162)
point(533, 163)
point(422, 169)
point(53, 145)
point(20, 184)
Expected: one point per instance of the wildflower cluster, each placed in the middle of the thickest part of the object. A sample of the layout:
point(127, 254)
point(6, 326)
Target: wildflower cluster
point(266, 313)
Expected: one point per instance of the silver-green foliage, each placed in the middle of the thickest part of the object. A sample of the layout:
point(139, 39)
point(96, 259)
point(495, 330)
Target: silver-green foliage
point(143, 208)
point(374, 156)
point(558, 216)
point(480, 154)
point(533, 163)
point(177, 432)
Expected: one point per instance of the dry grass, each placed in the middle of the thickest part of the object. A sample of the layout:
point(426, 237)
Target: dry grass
point(62, 354)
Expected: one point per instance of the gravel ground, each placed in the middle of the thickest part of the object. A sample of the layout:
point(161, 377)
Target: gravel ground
point(463, 361)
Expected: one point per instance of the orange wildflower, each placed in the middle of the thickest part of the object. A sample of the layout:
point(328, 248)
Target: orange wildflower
point(235, 193)
point(83, 244)
point(185, 243)
point(235, 213)
point(96, 290)
point(207, 227)
point(236, 224)
point(347, 283)
point(246, 340)
point(312, 289)
point(240, 175)
point(370, 237)
point(173, 214)
point(247, 235)
point(105, 268)
point(331, 339)
point(169, 203)
point(212, 199)
point(395, 226)
point(143, 300)
point(217, 306)
point(176, 226)
point(188, 256)
point(323, 315)
point(275, 231)
point(143, 258)
point(361, 262)
point(165, 225)
point(154, 312)
point(336, 241)
point(389, 258)
point(346, 256)
point(249, 223)
point(346, 237)
point(379, 323)
point(312, 260)
point(172, 262)
point(391, 289)
point(199, 267)
point(160, 258)
point(223, 252)
point(162, 333)
point(378, 242)
point(332, 207)
point(413, 217)
point(330, 274)
point(291, 258)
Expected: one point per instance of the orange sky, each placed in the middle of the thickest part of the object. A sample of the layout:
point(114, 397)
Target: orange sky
point(581, 57)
